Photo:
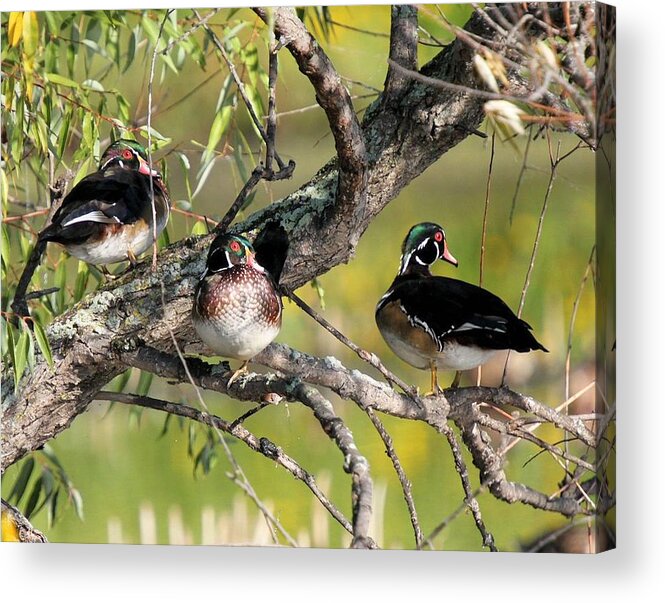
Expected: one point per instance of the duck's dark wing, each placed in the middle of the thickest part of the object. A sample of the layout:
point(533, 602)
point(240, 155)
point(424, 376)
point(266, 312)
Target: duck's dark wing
point(453, 310)
point(271, 246)
point(97, 200)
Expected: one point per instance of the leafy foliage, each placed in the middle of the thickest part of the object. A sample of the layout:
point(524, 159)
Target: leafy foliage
point(65, 97)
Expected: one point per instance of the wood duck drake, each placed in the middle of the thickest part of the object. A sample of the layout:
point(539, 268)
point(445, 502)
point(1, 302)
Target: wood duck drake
point(237, 308)
point(108, 216)
point(435, 322)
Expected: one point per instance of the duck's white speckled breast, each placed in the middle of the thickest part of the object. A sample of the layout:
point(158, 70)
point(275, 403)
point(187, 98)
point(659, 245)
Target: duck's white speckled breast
point(237, 312)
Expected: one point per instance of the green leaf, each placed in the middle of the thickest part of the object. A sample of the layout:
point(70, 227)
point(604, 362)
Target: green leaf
point(61, 80)
point(131, 50)
point(22, 481)
point(316, 284)
point(82, 276)
point(52, 509)
point(120, 382)
point(49, 453)
point(199, 228)
point(11, 344)
point(203, 177)
point(34, 498)
point(165, 427)
point(191, 438)
point(22, 352)
point(5, 245)
point(42, 342)
point(63, 135)
point(219, 126)
point(145, 381)
point(60, 281)
point(164, 240)
point(77, 499)
point(48, 488)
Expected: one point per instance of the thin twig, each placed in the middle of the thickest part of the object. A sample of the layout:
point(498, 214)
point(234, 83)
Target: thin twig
point(272, 82)
point(470, 499)
point(488, 189)
point(238, 431)
point(149, 126)
point(446, 521)
point(520, 176)
point(354, 462)
point(403, 479)
point(558, 114)
point(241, 87)
point(190, 31)
point(573, 316)
point(19, 304)
point(232, 212)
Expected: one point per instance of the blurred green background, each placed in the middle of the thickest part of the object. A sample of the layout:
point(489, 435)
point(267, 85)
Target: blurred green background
point(138, 483)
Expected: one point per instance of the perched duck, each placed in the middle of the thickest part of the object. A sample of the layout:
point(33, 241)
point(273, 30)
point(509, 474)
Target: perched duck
point(435, 322)
point(108, 216)
point(237, 308)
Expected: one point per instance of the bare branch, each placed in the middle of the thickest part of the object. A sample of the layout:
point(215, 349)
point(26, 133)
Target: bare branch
point(354, 462)
point(261, 445)
point(403, 479)
point(403, 49)
point(469, 497)
point(334, 99)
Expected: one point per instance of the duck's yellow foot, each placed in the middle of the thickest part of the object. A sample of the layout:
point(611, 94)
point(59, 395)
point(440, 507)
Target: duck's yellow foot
point(241, 371)
point(435, 390)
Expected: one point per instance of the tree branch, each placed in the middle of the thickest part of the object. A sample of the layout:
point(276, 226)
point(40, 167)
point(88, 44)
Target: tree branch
point(334, 99)
point(460, 405)
point(94, 341)
point(261, 445)
point(403, 50)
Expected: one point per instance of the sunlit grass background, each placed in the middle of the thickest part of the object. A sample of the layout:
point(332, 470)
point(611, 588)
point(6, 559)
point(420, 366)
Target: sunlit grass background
point(138, 483)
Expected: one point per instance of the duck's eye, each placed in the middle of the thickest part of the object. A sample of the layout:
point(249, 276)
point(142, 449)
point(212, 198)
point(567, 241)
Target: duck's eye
point(235, 246)
point(438, 237)
point(127, 154)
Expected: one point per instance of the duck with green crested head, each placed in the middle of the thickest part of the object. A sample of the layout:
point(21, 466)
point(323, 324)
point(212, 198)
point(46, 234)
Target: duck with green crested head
point(108, 216)
point(237, 308)
point(435, 322)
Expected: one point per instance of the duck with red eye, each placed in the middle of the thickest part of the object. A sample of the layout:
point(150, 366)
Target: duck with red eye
point(108, 216)
point(237, 309)
point(436, 322)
